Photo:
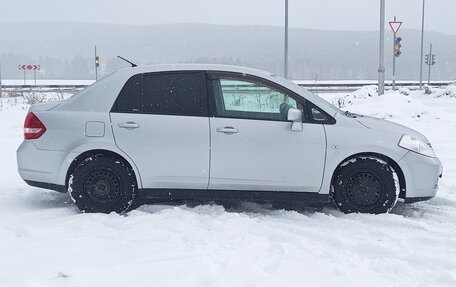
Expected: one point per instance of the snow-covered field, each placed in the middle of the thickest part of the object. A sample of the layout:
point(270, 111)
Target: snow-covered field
point(45, 241)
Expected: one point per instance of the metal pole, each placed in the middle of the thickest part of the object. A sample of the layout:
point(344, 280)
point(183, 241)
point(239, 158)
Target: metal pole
point(381, 67)
point(430, 64)
point(394, 65)
point(1, 85)
point(394, 59)
point(422, 46)
point(285, 64)
point(96, 68)
point(34, 76)
point(24, 78)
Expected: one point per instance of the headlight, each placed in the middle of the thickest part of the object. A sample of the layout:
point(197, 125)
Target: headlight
point(416, 145)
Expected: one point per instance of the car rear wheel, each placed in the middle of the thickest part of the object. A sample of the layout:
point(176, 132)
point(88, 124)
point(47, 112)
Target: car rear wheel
point(365, 185)
point(103, 184)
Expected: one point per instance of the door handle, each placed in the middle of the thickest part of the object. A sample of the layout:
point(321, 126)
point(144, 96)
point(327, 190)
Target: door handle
point(128, 125)
point(227, 130)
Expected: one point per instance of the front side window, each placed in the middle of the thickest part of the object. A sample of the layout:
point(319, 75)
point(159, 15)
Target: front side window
point(251, 100)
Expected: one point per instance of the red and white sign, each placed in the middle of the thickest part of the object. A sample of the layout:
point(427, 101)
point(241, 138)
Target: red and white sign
point(395, 26)
point(29, 67)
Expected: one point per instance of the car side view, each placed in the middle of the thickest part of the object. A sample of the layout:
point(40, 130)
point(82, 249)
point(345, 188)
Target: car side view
point(214, 132)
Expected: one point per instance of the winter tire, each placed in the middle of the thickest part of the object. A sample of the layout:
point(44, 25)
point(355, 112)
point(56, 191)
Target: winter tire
point(365, 185)
point(103, 184)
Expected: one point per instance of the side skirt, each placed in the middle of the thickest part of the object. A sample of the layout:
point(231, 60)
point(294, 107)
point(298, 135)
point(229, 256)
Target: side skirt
point(51, 186)
point(417, 199)
point(186, 194)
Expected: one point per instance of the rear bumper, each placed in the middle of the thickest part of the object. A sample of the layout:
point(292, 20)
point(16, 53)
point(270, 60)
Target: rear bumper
point(422, 175)
point(36, 165)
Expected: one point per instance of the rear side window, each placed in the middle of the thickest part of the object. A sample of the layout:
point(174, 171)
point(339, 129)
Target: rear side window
point(129, 99)
point(182, 93)
point(172, 93)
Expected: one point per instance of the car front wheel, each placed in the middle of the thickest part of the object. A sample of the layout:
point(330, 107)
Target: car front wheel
point(104, 184)
point(365, 185)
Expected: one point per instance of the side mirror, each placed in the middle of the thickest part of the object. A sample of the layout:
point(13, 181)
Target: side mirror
point(295, 116)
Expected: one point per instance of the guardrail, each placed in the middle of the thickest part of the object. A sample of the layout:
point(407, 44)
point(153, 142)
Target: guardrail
point(320, 87)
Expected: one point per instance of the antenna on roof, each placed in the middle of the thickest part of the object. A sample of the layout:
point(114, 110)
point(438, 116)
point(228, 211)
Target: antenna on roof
point(132, 64)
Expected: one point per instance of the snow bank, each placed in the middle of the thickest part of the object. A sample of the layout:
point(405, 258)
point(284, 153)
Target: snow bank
point(451, 90)
point(393, 105)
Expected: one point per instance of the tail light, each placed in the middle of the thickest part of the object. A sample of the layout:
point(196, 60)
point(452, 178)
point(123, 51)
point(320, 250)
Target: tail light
point(33, 127)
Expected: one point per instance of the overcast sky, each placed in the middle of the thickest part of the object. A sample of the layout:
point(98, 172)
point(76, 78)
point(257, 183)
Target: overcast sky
point(317, 14)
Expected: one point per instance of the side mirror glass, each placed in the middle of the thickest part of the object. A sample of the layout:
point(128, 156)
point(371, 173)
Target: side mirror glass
point(295, 116)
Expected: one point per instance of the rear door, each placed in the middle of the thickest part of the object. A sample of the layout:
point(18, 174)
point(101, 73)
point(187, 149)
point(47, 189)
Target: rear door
point(160, 121)
point(253, 146)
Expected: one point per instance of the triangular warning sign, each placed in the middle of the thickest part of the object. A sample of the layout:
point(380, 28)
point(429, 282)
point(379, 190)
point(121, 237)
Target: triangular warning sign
point(395, 26)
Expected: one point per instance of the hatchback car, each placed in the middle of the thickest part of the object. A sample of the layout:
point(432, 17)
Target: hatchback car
point(215, 132)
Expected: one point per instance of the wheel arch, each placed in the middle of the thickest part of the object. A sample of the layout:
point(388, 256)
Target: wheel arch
point(84, 155)
point(388, 160)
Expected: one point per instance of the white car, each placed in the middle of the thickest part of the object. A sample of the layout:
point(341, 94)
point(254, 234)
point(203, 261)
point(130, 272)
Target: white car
point(214, 132)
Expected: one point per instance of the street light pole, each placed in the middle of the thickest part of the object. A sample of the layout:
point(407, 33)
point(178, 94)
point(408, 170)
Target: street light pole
point(285, 58)
point(422, 46)
point(381, 67)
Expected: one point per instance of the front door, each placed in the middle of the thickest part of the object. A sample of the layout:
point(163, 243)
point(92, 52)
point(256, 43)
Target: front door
point(252, 144)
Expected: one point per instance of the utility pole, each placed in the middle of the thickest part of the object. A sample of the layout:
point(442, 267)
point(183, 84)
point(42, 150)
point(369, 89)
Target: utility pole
point(1, 85)
point(381, 67)
point(285, 58)
point(422, 46)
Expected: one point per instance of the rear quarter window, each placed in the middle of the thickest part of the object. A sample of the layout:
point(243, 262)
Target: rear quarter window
point(129, 99)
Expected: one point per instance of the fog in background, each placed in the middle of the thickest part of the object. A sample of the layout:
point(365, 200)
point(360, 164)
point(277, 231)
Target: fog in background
point(334, 39)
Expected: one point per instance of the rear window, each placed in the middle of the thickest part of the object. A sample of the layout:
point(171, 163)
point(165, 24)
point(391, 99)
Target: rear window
point(175, 94)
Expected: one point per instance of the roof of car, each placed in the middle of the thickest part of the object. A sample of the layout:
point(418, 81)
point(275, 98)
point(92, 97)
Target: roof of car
point(196, 67)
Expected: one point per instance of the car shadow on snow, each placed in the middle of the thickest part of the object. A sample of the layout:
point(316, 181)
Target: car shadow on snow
point(418, 210)
point(43, 199)
point(238, 206)
point(415, 210)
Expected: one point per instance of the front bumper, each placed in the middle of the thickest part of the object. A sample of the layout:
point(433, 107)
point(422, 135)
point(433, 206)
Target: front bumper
point(422, 175)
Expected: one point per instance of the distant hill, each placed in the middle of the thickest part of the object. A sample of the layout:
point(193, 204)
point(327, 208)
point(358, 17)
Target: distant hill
point(65, 50)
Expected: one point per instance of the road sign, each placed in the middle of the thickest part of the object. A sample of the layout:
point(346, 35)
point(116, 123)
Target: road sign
point(29, 67)
point(33, 68)
point(395, 26)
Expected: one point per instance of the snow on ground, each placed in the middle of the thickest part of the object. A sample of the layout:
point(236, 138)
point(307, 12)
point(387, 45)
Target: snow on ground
point(45, 241)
